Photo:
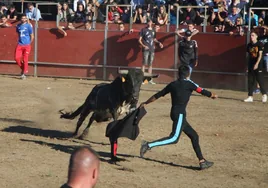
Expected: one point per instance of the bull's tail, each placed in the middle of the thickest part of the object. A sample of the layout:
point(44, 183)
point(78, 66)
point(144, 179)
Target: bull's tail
point(71, 115)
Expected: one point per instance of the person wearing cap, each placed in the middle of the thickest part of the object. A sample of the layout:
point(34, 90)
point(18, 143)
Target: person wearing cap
point(188, 51)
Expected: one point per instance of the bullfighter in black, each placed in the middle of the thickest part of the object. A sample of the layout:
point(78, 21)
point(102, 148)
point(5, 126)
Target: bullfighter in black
point(180, 91)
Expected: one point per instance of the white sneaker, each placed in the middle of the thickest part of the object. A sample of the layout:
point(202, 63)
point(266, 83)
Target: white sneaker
point(264, 98)
point(23, 77)
point(249, 99)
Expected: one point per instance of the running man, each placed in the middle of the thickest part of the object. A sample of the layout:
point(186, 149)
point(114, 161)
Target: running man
point(23, 49)
point(180, 91)
point(188, 51)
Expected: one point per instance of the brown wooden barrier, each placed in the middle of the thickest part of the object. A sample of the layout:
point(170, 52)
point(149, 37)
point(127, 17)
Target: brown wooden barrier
point(217, 53)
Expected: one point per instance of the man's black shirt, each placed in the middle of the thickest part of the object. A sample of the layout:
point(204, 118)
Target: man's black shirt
point(181, 91)
point(188, 52)
point(253, 50)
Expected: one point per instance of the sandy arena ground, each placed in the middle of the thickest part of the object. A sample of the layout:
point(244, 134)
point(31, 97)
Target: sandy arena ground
point(35, 151)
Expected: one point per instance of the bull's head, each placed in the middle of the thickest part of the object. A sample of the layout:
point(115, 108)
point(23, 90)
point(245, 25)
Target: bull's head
point(132, 80)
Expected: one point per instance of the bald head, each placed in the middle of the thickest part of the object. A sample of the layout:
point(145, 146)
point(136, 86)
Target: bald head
point(83, 168)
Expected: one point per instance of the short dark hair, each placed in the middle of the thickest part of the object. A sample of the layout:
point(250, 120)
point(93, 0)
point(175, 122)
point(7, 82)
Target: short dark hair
point(184, 71)
point(23, 15)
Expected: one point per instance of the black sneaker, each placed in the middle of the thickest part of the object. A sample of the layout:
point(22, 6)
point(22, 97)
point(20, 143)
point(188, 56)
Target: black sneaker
point(206, 164)
point(144, 148)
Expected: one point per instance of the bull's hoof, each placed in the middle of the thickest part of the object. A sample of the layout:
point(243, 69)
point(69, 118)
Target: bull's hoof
point(74, 135)
point(81, 137)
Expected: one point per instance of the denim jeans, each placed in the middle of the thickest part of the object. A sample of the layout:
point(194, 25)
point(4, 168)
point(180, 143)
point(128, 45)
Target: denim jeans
point(265, 61)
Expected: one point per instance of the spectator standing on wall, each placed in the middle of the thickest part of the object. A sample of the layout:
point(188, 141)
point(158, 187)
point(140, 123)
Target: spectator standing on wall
point(23, 49)
point(146, 40)
point(255, 66)
point(33, 13)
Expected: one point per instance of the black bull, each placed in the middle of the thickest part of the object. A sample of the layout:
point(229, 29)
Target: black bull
point(109, 100)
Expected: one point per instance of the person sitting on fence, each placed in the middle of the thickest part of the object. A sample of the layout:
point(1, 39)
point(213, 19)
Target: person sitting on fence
point(33, 13)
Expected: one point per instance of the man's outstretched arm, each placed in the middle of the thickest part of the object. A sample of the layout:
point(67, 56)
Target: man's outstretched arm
point(156, 96)
point(151, 99)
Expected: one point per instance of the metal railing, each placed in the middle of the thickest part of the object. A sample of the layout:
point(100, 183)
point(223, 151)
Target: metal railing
point(35, 63)
point(36, 36)
point(106, 34)
point(22, 3)
point(182, 7)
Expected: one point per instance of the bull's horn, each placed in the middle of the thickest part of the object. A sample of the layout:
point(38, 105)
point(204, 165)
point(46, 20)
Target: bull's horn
point(123, 71)
point(146, 74)
point(61, 111)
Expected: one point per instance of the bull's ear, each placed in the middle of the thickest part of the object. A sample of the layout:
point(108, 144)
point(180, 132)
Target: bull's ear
point(123, 79)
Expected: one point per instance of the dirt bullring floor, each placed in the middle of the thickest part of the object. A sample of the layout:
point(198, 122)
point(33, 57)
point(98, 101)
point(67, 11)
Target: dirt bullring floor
point(233, 134)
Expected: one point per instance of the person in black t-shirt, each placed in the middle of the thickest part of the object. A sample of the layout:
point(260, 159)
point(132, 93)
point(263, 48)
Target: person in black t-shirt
point(12, 14)
point(188, 51)
point(147, 39)
point(255, 66)
point(180, 91)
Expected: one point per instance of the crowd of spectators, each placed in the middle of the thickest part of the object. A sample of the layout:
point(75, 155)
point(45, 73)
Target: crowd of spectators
point(229, 16)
